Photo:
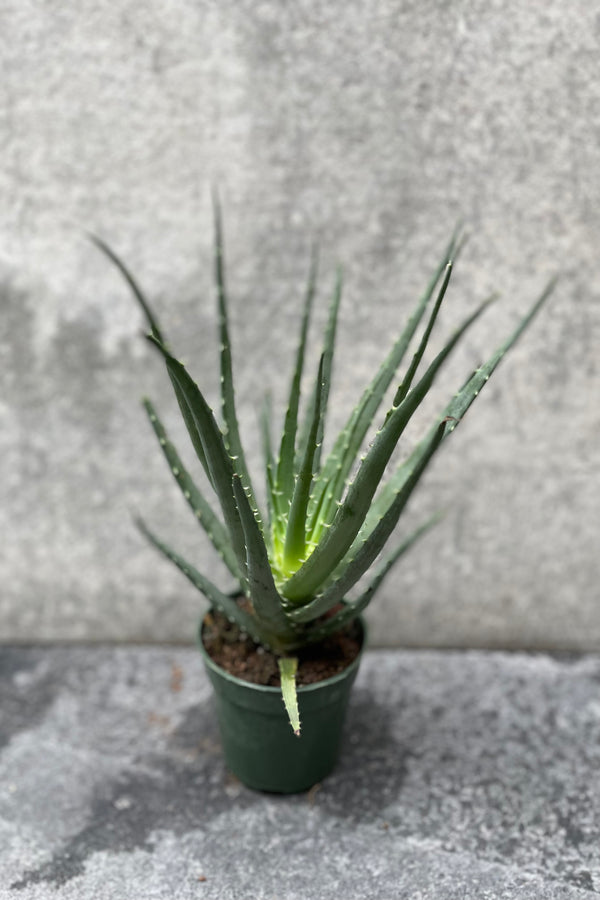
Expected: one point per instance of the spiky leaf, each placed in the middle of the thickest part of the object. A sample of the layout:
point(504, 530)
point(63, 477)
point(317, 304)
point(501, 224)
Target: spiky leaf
point(295, 538)
point(373, 543)
point(232, 439)
point(418, 356)
point(350, 611)
point(216, 598)
point(133, 284)
point(288, 666)
point(327, 353)
point(220, 465)
point(337, 467)
point(265, 430)
point(458, 406)
point(352, 511)
point(265, 599)
point(192, 494)
point(285, 467)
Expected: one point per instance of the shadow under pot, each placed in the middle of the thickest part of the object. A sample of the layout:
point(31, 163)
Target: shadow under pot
point(259, 745)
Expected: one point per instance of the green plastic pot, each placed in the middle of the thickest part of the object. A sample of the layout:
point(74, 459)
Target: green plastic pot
point(259, 745)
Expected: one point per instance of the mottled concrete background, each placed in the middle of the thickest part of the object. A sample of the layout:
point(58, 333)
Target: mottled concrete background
point(375, 127)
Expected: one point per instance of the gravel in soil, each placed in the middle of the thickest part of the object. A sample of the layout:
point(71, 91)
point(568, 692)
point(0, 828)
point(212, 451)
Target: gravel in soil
point(237, 653)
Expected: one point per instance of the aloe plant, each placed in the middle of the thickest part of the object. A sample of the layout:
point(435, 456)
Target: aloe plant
point(327, 517)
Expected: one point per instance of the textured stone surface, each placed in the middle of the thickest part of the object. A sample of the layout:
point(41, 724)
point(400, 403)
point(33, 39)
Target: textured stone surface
point(374, 127)
point(464, 775)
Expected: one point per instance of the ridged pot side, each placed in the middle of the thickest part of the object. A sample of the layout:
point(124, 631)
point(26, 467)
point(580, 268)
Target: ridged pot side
point(259, 745)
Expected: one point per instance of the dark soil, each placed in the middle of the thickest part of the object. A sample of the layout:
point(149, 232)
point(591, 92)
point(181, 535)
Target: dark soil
point(241, 657)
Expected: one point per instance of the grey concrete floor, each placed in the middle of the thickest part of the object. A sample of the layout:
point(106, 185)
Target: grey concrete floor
point(464, 775)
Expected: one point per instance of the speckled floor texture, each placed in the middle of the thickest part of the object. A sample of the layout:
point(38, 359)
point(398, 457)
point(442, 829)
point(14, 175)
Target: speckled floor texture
point(464, 775)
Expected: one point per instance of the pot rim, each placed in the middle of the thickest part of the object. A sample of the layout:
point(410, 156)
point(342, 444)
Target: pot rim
point(271, 689)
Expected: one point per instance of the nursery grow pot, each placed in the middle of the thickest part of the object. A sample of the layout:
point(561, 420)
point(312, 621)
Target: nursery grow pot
point(259, 745)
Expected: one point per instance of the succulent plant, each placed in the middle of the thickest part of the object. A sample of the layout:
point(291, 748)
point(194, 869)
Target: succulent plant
point(328, 516)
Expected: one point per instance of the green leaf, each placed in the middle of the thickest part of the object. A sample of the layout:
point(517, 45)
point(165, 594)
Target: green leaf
point(232, 439)
point(459, 404)
point(341, 619)
point(285, 468)
point(190, 424)
point(192, 494)
point(265, 430)
point(328, 351)
point(219, 464)
point(332, 480)
point(372, 544)
point(133, 284)
point(418, 356)
point(295, 538)
point(156, 333)
point(350, 611)
point(470, 390)
point(352, 511)
point(393, 558)
point(265, 598)
point(288, 666)
point(217, 598)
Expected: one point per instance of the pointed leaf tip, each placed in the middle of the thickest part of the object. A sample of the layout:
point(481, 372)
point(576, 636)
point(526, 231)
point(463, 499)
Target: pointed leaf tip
point(288, 666)
point(131, 281)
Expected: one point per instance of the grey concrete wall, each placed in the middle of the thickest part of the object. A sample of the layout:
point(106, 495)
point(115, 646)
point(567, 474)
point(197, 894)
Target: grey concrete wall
point(374, 126)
